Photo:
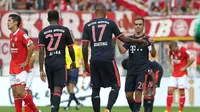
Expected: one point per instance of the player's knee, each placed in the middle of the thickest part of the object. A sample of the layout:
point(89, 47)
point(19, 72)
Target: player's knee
point(95, 91)
point(170, 90)
point(129, 95)
point(181, 91)
point(138, 95)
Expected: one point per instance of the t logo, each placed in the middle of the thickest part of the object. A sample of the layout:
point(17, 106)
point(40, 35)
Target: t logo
point(132, 48)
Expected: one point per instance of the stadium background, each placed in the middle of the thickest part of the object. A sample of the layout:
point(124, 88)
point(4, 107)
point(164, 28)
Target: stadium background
point(161, 24)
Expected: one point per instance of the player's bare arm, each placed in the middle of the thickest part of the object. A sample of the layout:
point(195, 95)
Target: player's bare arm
point(85, 55)
point(189, 62)
point(153, 49)
point(131, 41)
point(41, 62)
point(30, 52)
point(32, 60)
point(72, 55)
point(120, 47)
point(170, 62)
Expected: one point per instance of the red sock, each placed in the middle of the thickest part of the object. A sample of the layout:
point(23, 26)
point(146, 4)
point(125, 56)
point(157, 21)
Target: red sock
point(169, 101)
point(29, 102)
point(27, 108)
point(182, 101)
point(18, 105)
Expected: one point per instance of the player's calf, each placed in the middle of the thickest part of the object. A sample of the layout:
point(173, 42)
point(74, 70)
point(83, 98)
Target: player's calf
point(182, 99)
point(96, 99)
point(113, 96)
point(148, 104)
point(130, 99)
point(170, 98)
point(55, 105)
point(138, 98)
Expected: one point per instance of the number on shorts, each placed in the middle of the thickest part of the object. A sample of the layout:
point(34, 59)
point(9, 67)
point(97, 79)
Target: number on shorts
point(150, 84)
point(50, 47)
point(140, 85)
point(103, 27)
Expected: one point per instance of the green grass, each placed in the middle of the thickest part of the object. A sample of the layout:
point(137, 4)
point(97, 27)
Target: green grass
point(115, 109)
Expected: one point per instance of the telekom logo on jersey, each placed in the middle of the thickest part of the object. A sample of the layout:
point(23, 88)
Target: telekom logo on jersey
point(133, 49)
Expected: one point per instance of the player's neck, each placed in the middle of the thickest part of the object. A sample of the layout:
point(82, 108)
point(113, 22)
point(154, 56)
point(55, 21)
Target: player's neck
point(53, 23)
point(139, 34)
point(99, 16)
point(13, 30)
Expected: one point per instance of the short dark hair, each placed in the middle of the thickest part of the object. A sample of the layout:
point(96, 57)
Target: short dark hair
point(25, 30)
point(16, 17)
point(172, 44)
point(53, 15)
point(99, 7)
point(139, 18)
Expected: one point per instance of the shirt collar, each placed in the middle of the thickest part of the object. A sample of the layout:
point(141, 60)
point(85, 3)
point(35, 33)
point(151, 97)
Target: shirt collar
point(16, 32)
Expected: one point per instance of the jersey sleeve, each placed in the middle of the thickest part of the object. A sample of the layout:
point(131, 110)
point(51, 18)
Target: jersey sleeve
point(85, 36)
point(41, 39)
point(187, 53)
point(26, 40)
point(126, 46)
point(115, 30)
point(68, 40)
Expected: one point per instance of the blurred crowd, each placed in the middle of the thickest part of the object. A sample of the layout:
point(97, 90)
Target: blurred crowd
point(155, 7)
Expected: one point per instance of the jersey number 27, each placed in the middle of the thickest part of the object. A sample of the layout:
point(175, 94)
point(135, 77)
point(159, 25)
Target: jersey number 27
point(50, 46)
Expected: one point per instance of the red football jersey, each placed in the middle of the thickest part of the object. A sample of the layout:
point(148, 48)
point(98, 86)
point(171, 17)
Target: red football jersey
point(180, 59)
point(19, 51)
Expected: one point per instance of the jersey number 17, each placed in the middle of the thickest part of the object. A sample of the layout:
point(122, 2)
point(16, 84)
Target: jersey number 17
point(103, 27)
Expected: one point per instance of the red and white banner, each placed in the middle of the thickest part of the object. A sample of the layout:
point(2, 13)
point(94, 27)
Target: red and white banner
point(162, 28)
point(135, 6)
point(173, 28)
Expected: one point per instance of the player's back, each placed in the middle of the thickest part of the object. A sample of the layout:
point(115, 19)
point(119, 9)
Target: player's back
point(99, 32)
point(55, 38)
point(155, 66)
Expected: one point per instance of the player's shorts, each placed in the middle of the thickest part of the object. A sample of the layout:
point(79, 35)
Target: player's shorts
point(72, 76)
point(31, 75)
point(56, 75)
point(134, 82)
point(18, 79)
point(178, 82)
point(148, 81)
point(104, 74)
point(159, 75)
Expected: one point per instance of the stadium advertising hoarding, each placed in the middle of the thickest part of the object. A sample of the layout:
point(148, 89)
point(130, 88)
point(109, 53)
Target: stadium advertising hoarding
point(162, 28)
point(41, 93)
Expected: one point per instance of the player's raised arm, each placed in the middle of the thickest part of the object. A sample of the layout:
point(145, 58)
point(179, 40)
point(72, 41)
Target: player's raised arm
point(122, 50)
point(125, 39)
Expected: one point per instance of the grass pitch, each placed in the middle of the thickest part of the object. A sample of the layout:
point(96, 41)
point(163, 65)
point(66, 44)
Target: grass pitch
point(115, 109)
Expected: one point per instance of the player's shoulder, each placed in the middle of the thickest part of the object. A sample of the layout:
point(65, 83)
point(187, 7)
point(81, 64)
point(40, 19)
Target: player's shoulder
point(182, 48)
point(147, 36)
